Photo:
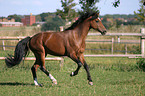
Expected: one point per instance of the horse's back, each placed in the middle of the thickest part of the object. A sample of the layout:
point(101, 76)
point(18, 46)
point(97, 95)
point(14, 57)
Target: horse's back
point(51, 42)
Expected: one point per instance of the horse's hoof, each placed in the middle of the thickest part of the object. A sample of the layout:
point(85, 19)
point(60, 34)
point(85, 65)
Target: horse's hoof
point(90, 83)
point(39, 85)
point(72, 74)
point(54, 82)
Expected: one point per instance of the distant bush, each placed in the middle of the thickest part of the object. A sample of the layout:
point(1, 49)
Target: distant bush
point(52, 24)
point(141, 64)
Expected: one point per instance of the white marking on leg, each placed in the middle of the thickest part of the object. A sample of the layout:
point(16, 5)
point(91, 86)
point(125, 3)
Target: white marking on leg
point(72, 73)
point(35, 81)
point(53, 79)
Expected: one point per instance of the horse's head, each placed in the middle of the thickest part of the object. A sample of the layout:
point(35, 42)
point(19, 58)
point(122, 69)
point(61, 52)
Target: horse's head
point(97, 24)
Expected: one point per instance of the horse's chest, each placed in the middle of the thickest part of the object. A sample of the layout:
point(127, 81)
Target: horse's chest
point(80, 48)
point(77, 46)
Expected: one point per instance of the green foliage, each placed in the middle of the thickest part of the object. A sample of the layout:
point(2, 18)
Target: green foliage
point(68, 12)
point(88, 5)
point(52, 23)
point(116, 20)
point(38, 18)
point(43, 16)
point(106, 23)
point(118, 23)
point(141, 12)
point(141, 64)
point(116, 3)
point(16, 17)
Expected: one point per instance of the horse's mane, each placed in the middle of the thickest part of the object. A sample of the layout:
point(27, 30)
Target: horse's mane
point(82, 17)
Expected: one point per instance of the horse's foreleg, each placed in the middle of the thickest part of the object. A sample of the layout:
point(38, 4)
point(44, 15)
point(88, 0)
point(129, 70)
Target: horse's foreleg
point(81, 61)
point(88, 73)
point(54, 81)
point(86, 68)
point(76, 59)
point(77, 70)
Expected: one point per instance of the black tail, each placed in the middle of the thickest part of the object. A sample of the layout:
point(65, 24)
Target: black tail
point(20, 52)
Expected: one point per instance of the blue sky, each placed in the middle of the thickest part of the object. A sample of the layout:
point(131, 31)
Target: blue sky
point(25, 7)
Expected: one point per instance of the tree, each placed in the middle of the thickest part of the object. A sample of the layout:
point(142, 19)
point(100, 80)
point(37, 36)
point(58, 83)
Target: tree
point(141, 12)
point(88, 5)
point(52, 23)
point(38, 18)
point(67, 13)
point(0, 25)
point(116, 3)
point(43, 15)
point(16, 17)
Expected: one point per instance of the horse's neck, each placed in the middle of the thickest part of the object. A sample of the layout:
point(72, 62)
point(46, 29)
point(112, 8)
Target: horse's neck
point(82, 30)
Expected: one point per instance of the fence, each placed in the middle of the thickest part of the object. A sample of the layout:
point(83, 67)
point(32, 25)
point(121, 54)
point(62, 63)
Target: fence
point(141, 35)
point(141, 42)
point(27, 58)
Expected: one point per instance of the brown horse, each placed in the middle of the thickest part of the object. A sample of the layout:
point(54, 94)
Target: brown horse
point(70, 43)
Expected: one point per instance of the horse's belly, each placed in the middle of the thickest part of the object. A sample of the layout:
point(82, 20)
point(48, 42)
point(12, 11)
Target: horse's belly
point(54, 44)
point(55, 49)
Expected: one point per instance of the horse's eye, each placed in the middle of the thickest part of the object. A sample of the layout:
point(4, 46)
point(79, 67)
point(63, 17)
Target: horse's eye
point(97, 21)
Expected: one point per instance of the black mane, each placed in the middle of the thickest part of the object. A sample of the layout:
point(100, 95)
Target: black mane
point(81, 19)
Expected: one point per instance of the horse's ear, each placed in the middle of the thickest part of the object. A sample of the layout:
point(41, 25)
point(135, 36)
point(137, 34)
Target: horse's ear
point(95, 16)
point(98, 14)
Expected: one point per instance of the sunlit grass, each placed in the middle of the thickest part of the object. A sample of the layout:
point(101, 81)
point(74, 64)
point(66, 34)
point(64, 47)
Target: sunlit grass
point(111, 76)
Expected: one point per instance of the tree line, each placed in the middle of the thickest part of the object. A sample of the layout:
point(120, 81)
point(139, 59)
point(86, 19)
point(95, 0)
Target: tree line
point(68, 13)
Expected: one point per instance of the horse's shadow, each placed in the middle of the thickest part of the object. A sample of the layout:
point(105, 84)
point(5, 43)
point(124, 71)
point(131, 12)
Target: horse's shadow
point(15, 84)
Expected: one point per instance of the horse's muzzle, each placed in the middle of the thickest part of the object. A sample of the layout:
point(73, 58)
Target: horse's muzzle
point(104, 32)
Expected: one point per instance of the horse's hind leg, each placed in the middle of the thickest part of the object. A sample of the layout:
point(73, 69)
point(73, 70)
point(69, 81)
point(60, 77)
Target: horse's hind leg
point(34, 70)
point(41, 59)
point(54, 81)
point(35, 67)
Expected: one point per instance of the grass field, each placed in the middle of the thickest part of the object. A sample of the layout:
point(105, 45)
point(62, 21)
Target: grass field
point(111, 76)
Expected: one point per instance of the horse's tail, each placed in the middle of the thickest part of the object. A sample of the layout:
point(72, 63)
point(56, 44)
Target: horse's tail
point(20, 52)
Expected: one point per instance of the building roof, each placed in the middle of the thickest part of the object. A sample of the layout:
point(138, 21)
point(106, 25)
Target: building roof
point(16, 23)
point(40, 23)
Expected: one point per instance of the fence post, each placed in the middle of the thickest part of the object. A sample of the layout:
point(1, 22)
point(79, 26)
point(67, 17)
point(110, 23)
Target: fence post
point(126, 49)
point(142, 42)
point(3, 45)
point(61, 62)
point(112, 44)
point(118, 39)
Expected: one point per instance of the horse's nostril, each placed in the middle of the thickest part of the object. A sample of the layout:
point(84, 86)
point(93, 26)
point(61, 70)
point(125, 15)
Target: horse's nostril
point(104, 32)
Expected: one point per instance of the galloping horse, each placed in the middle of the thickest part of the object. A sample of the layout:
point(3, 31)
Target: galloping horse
point(70, 43)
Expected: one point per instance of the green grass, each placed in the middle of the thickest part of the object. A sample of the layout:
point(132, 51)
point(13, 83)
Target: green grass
point(19, 31)
point(111, 77)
